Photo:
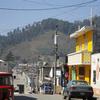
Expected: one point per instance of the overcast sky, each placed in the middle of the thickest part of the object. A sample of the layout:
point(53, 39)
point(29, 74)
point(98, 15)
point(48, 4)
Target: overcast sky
point(11, 17)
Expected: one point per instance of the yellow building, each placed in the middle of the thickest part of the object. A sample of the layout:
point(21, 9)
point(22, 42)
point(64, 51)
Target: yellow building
point(80, 61)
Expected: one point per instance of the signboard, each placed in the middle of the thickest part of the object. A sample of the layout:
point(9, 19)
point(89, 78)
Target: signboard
point(58, 73)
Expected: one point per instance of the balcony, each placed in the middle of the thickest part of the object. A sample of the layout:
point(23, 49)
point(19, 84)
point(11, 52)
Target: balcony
point(79, 58)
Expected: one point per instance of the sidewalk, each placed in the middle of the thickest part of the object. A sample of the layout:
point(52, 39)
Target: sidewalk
point(15, 93)
point(95, 97)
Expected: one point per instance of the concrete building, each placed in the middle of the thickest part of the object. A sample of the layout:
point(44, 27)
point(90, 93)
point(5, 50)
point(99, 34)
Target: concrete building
point(46, 72)
point(95, 73)
point(95, 62)
point(80, 61)
point(21, 81)
point(85, 62)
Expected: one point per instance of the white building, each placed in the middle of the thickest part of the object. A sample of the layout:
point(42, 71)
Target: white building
point(21, 81)
point(95, 72)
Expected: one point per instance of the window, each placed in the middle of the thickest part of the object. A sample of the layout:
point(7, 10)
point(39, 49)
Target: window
point(14, 77)
point(85, 42)
point(6, 80)
point(94, 76)
point(79, 83)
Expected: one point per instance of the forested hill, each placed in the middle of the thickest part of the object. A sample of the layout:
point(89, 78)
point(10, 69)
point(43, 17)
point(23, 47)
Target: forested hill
point(29, 32)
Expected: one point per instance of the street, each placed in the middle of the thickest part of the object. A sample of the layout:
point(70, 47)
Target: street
point(42, 97)
point(37, 97)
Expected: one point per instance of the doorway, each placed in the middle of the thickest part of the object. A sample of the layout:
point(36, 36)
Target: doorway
point(81, 73)
point(21, 88)
point(73, 73)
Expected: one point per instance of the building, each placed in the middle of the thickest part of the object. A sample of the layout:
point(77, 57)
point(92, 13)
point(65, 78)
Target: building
point(95, 73)
point(21, 81)
point(57, 76)
point(44, 76)
point(95, 62)
point(46, 73)
point(79, 62)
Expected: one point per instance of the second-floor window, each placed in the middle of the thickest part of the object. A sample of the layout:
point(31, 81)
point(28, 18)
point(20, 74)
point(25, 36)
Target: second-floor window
point(80, 44)
point(85, 42)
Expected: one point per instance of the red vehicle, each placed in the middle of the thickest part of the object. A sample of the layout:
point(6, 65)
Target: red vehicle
point(6, 86)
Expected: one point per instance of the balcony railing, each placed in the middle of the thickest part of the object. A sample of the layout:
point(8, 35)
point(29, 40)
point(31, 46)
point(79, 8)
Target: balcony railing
point(79, 58)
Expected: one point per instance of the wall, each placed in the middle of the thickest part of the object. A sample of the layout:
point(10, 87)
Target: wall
point(87, 73)
point(21, 79)
point(96, 41)
point(95, 77)
point(81, 42)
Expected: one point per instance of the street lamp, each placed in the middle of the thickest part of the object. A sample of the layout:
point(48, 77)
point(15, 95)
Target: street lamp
point(56, 50)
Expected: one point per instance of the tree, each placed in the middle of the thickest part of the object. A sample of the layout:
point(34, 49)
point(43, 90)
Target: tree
point(10, 59)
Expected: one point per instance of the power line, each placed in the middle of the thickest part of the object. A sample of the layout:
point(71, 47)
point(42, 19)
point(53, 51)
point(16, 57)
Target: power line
point(41, 3)
point(53, 8)
point(70, 11)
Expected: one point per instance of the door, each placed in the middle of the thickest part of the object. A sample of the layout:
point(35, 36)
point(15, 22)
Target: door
point(82, 73)
point(73, 73)
point(21, 88)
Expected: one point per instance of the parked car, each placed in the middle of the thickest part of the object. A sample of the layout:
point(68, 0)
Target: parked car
point(46, 88)
point(78, 89)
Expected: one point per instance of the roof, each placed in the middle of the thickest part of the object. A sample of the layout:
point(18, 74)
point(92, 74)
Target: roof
point(81, 31)
point(2, 60)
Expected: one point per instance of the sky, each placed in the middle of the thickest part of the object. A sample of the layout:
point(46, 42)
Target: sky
point(18, 13)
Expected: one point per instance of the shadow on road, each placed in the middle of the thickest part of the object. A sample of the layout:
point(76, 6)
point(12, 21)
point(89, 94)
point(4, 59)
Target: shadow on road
point(94, 98)
point(24, 98)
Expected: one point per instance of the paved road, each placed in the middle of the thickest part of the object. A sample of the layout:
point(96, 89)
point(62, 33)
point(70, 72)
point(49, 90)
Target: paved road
point(24, 97)
point(38, 97)
point(42, 97)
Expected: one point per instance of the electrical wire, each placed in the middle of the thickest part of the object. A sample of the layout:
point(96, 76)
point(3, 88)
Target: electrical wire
point(40, 3)
point(72, 10)
point(53, 8)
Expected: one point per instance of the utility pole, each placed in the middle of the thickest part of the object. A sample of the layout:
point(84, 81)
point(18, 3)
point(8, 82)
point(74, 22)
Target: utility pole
point(56, 49)
point(37, 67)
point(91, 18)
point(37, 77)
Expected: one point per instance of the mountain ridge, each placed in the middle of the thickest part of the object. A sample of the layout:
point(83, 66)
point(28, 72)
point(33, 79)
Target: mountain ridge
point(37, 39)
